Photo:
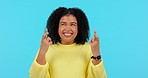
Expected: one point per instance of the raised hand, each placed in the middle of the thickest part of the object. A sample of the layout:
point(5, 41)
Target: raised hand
point(95, 45)
point(45, 43)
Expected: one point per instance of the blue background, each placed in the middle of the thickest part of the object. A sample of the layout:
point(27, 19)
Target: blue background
point(122, 26)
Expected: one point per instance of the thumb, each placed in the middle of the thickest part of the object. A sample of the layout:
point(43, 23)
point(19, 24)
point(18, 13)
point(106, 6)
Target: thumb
point(91, 41)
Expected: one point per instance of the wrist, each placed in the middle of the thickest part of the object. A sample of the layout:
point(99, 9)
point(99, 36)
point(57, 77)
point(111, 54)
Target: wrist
point(96, 57)
point(96, 53)
point(95, 62)
point(41, 59)
point(42, 52)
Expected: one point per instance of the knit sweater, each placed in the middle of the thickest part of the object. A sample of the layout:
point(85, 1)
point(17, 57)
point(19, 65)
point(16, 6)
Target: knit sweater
point(68, 61)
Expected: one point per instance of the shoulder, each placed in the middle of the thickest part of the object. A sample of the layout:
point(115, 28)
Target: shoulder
point(54, 45)
point(87, 47)
point(87, 50)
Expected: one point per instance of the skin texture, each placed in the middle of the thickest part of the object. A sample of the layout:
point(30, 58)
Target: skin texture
point(95, 47)
point(68, 30)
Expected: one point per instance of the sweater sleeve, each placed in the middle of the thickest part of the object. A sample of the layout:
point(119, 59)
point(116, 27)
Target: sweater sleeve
point(96, 71)
point(39, 71)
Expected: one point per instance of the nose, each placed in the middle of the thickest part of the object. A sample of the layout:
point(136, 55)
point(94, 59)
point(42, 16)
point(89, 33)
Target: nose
point(68, 27)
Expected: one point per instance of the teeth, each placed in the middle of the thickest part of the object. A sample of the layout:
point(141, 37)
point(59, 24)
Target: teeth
point(67, 34)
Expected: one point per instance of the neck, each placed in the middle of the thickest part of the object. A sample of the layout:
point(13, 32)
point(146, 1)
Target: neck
point(67, 43)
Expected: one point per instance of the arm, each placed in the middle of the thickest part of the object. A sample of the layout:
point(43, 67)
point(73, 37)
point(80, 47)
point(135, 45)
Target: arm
point(39, 68)
point(95, 67)
point(39, 71)
point(96, 71)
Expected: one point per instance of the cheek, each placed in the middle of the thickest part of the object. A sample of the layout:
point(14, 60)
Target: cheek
point(60, 31)
point(76, 30)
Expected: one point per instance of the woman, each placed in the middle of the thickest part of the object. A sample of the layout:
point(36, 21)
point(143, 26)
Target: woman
point(65, 51)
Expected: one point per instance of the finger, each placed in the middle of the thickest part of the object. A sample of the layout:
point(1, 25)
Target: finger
point(49, 39)
point(47, 31)
point(92, 40)
point(95, 35)
point(44, 36)
point(50, 42)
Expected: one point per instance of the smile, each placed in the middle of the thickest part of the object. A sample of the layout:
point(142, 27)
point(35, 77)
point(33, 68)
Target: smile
point(67, 34)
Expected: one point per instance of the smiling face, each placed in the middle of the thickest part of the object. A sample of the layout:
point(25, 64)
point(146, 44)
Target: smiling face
point(68, 29)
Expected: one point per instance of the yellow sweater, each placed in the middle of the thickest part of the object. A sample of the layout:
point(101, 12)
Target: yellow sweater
point(68, 61)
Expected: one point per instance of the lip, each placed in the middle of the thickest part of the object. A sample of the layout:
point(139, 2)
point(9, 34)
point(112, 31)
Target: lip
point(67, 34)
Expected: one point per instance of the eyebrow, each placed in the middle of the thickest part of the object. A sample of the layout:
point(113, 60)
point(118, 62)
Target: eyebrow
point(62, 22)
point(74, 22)
point(71, 22)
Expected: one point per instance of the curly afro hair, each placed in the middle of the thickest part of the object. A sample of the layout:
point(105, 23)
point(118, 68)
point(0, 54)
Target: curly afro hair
point(53, 24)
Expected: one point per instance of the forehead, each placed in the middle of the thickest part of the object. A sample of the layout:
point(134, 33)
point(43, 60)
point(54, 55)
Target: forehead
point(68, 18)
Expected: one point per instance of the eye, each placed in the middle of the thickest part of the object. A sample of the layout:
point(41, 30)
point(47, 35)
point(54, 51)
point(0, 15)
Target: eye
point(73, 24)
point(62, 24)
